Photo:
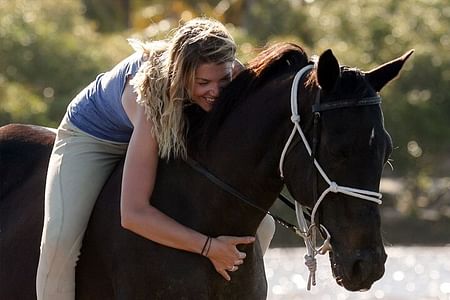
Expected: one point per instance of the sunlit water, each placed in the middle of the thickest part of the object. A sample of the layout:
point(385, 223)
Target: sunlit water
point(412, 273)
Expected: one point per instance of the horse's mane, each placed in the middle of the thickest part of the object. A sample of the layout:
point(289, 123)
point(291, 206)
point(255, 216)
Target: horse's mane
point(278, 59)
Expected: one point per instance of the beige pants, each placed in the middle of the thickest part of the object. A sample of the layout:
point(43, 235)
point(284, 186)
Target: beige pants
point(79, 166)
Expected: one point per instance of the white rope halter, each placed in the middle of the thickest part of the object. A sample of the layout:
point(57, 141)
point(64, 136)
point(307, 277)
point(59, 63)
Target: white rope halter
point(307, 232)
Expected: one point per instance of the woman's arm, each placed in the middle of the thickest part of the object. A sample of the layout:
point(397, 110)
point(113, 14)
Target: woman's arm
point(139, 216)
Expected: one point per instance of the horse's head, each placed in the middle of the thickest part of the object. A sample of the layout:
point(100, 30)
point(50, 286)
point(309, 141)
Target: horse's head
point(341, 117)
point(338, 114)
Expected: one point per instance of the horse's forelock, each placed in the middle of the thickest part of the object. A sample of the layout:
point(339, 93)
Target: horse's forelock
point(354, 83)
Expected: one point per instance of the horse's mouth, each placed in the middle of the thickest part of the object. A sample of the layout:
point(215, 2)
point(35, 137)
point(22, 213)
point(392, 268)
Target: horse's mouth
point(336, 270)
point(351, 283)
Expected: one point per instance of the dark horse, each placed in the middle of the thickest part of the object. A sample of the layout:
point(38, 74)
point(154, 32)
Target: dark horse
point(240, 141)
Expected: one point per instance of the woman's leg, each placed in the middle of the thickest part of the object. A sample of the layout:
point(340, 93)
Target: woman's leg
point(78, 168)
point(265, 232)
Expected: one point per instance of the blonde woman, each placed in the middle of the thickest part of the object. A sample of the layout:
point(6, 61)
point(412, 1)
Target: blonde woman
point(134, 110)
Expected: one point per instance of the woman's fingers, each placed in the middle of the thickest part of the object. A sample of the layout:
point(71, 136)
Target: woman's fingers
point(242, 240)
point(225, 256)
point(224, 274)
point(236, 240)
point(233, 268)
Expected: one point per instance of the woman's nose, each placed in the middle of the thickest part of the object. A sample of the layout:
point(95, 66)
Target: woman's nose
point(215, 90)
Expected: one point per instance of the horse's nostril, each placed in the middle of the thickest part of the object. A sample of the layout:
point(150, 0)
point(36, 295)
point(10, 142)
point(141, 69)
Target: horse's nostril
point(365, 270)
point(357, 270)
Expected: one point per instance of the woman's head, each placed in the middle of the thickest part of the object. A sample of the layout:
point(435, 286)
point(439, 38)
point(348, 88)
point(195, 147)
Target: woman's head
point(195, 64)
point(198, 43)
point(209, 79)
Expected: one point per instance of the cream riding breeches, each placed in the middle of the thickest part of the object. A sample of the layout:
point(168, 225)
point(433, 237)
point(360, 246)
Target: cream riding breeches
point(79, 166)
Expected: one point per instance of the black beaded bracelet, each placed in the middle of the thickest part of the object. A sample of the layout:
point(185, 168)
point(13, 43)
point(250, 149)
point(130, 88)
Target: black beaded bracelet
point(209, 246)
point(204, 247)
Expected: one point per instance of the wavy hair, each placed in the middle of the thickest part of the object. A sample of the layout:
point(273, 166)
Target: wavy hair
point(165, 81)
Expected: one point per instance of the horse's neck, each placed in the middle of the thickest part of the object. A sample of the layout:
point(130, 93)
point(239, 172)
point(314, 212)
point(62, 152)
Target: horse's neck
point(246, 150)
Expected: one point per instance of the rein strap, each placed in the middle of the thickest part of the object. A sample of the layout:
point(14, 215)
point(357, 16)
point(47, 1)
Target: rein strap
point(231, 190)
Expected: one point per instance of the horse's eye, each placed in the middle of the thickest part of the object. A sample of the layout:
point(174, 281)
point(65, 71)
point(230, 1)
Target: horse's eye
point(341, 150)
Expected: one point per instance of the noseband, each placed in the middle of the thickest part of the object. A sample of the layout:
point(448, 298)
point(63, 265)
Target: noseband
point(307, 232)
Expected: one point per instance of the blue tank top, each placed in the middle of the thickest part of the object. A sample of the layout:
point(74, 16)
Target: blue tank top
point(97, 109)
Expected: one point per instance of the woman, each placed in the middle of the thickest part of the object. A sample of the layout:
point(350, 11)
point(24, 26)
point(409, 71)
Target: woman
point(134, 110)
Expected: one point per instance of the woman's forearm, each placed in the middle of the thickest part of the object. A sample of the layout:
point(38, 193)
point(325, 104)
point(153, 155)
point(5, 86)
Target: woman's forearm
point(152, 224)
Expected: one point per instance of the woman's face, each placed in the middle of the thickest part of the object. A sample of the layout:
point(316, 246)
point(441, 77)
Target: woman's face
point(209, 80)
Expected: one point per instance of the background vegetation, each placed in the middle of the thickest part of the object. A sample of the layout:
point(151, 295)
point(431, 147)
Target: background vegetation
point(50, 50)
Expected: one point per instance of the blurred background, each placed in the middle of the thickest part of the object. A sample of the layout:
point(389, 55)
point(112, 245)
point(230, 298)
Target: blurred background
point(49, 50)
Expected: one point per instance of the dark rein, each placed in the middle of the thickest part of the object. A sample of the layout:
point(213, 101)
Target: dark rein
point(231, 190)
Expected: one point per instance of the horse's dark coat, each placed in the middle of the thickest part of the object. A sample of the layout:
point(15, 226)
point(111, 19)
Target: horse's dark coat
point(244, 149)
point(24, 153)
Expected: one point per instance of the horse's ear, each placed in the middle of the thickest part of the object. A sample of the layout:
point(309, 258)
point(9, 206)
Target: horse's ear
point(328, 71)
point(381, 75)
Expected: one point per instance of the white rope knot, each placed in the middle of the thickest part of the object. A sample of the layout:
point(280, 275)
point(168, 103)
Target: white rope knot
point(334, 187)
point(311, 263)
point(295, 118)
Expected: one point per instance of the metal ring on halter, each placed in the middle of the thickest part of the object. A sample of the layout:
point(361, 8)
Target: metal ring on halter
point(310, 228)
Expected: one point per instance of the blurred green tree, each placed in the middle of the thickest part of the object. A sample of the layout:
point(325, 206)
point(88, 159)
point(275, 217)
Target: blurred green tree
point(48, 53)
point(109, 15)
point(50, 50)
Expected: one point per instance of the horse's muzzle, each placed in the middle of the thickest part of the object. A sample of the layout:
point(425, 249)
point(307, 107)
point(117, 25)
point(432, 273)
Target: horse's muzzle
point(357, 271)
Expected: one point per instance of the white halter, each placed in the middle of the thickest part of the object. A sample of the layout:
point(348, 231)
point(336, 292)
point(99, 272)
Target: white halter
point(307, 232)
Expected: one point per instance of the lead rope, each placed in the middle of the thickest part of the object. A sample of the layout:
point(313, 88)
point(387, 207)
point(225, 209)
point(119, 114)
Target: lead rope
point(308, 233)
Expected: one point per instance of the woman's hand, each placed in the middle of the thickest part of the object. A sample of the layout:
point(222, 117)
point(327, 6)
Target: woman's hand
point(224, 254)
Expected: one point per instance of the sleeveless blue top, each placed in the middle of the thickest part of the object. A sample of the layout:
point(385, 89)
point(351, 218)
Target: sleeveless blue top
point(97, 109)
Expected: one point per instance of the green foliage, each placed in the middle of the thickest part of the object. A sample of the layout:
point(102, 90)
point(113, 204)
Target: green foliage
point(369, 33)
point(48, 53)
point(21, 104)
point(50, 50)
point(109, 15)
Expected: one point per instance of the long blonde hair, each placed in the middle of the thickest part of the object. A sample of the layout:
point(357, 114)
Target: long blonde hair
point(165, 81)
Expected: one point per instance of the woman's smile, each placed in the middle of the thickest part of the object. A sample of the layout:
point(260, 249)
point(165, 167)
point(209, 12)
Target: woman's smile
point(210, 79)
